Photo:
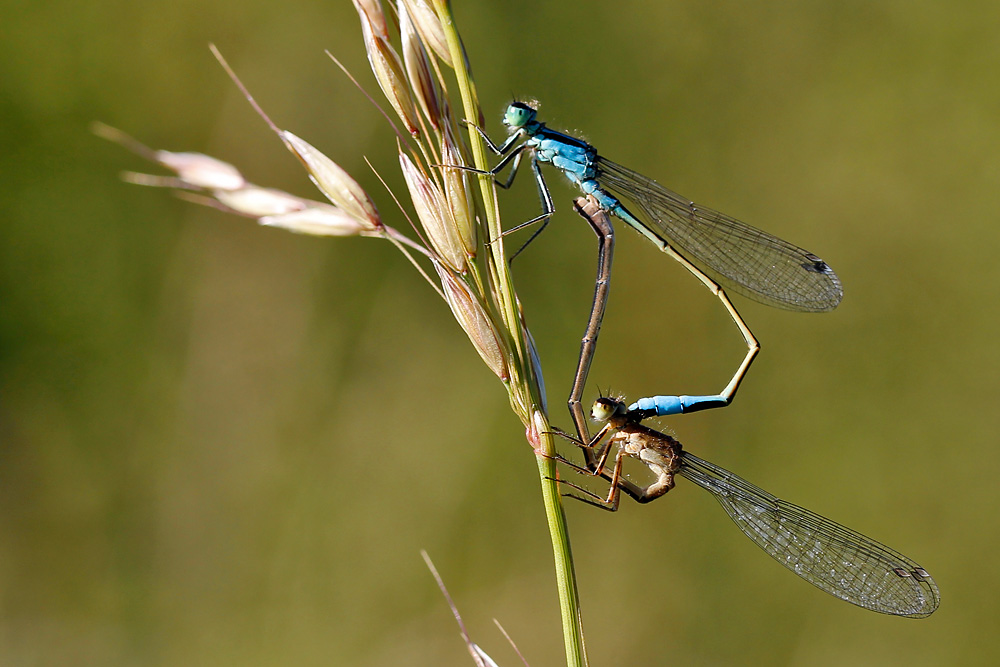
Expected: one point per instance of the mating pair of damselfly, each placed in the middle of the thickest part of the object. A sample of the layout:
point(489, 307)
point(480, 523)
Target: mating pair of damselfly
point(716, 249)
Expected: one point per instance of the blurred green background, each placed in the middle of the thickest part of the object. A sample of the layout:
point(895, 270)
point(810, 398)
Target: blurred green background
point(223, 444)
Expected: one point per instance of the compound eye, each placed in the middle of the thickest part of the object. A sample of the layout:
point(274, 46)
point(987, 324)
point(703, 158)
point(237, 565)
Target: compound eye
point(603, 409)
point(518, 115)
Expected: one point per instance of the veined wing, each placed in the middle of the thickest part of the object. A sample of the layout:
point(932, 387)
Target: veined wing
point(832, 557)
point(751, 261)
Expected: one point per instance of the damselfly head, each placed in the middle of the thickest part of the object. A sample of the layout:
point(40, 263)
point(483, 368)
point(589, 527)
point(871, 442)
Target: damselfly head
point(605, 408)
point(518, 114)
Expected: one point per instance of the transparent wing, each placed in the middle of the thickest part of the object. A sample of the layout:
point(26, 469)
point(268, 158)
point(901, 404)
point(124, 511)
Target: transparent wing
point(753, 262)
point(836, 559)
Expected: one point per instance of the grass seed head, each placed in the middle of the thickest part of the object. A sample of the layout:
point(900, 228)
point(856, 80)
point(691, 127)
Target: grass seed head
point(434, 214)
point(255, 201)
point(388, 72)
point(372, 10)
point(418, 67)
point(202, 171)
point(318, 220)
point(334, 181)
point(474, 319)
point(456, 188)
point(429, 26)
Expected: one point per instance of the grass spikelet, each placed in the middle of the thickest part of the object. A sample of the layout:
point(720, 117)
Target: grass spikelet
point(372, 9)
point(457, 195)
point(388, 71)
point(434, 215)
point(475, 320)
point(334, 181)
point(429, 26)
point(317, 220)
point(418, 68)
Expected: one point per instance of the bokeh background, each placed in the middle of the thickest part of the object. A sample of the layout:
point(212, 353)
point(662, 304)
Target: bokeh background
point(224, 444)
